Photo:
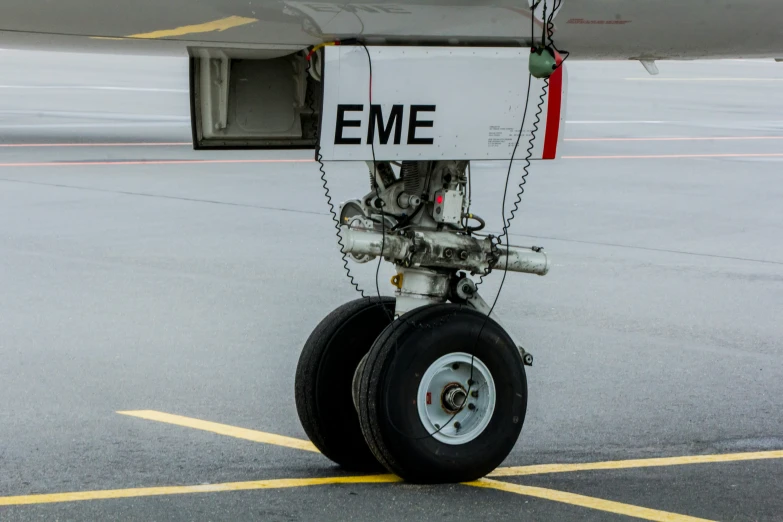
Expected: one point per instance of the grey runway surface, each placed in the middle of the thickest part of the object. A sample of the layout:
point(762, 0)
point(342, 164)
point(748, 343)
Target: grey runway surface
point(149, 276)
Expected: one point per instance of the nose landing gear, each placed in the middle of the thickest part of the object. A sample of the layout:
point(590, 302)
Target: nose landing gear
point(426, 384)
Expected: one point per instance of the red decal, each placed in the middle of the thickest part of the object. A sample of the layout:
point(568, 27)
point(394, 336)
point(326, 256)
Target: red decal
point(429, 398)
point(553, 112)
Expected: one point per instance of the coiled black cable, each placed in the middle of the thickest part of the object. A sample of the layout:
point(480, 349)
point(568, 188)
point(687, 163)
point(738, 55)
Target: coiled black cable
point(327, 193)
point(527, 160)
point(550, 31)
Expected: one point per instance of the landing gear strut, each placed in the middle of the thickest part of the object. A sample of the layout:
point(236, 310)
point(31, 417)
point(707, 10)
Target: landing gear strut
point(425, 384)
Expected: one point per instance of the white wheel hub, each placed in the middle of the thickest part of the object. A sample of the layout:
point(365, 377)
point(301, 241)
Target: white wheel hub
point(456, 398)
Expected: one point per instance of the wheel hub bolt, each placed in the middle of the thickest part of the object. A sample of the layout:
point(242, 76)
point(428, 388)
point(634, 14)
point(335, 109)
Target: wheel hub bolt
point(474, 394)
point(471, 406)
point(455, 366)
point(457, 425)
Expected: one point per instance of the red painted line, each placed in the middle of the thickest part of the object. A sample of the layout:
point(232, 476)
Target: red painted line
point(148, 162)
point(698, 138)
point(677, 156)
point(153, 144)
point(553, 113)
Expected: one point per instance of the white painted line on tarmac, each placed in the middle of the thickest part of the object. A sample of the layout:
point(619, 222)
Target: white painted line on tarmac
point(93, 88)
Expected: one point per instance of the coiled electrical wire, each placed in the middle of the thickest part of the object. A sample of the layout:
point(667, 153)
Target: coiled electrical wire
point(332, 211)
point(527, 160)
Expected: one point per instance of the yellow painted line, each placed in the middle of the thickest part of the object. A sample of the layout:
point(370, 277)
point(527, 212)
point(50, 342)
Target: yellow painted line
point(76, 496)
point(587, 502)
point(541, 469)
point(208, 27)
point(223, 429)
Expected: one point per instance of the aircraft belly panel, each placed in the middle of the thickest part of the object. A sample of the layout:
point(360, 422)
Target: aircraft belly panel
point(612, 29)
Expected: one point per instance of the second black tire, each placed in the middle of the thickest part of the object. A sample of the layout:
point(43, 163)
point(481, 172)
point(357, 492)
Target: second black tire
point(324, 377)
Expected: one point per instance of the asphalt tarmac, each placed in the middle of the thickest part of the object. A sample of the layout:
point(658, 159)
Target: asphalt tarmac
point(177, 286)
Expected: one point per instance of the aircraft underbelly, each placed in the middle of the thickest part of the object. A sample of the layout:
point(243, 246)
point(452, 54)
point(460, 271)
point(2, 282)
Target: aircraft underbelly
point(590, 29)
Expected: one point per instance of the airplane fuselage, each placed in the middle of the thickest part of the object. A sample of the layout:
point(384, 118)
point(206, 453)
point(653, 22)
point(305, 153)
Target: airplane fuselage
point(590, 29)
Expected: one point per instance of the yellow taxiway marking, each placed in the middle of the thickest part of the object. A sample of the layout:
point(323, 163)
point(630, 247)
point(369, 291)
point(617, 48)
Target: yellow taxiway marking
point(587, 502)
point(510, 471)
point(531, 491)
point(223, 429)
point(548, 494)
point(208, 27)
point(515, 471)
point(257, 436)
point(105, 494)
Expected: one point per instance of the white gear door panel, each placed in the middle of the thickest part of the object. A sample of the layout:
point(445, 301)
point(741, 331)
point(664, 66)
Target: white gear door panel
point(432, 103)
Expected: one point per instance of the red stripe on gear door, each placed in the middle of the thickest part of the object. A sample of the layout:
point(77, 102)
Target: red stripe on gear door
point(552, 132)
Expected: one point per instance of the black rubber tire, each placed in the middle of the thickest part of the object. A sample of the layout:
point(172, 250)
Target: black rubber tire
point(389, 384)
point(324, 377)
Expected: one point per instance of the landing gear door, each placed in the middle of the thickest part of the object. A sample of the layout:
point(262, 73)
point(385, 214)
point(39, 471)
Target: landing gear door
point(252, 99)
point(437, 103)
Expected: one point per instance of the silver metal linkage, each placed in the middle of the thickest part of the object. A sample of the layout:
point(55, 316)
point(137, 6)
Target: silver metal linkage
point(433, 249)
point(420, 221)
